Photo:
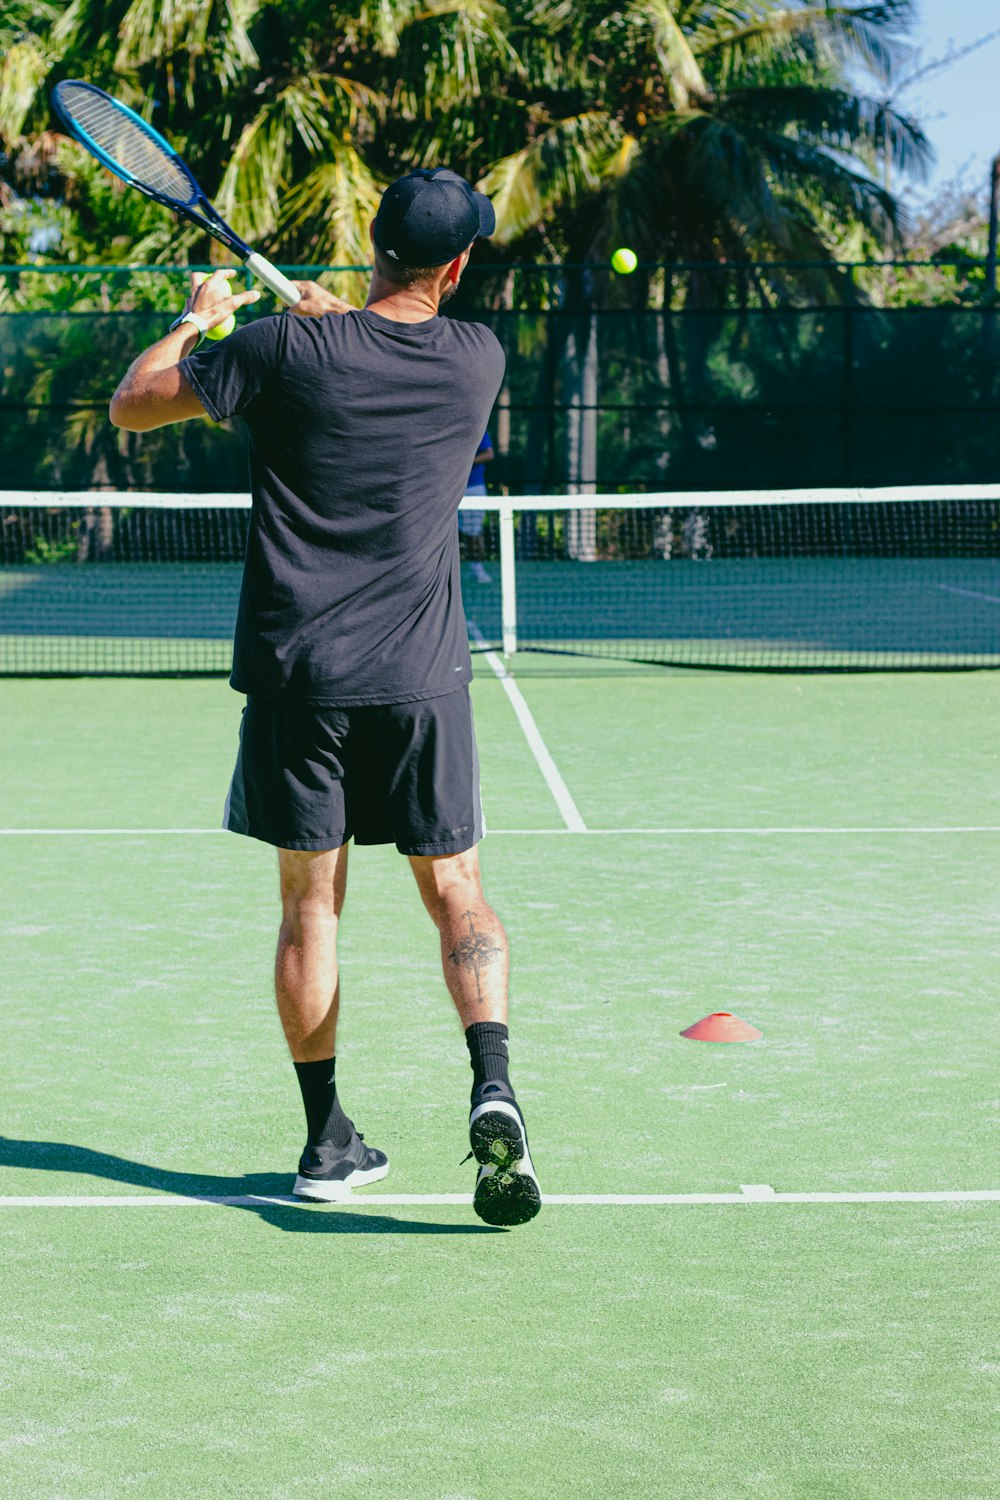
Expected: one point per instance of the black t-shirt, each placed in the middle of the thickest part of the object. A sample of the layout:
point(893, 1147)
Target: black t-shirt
point(362, 434)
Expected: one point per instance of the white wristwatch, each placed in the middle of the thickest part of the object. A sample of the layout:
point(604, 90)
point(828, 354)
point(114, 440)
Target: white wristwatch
point(195, 321)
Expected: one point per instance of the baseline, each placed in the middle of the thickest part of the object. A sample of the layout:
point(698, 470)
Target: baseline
point(753, 1193)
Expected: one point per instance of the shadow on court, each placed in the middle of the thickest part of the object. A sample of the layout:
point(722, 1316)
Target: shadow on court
point(59, 1156)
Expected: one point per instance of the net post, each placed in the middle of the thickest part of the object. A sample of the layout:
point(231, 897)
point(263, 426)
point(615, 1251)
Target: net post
point(508, 580)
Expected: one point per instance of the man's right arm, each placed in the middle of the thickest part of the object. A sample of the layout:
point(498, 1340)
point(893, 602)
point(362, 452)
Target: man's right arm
point(154, 392)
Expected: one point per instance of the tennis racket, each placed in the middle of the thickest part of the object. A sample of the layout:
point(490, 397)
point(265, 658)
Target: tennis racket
point(123, 142)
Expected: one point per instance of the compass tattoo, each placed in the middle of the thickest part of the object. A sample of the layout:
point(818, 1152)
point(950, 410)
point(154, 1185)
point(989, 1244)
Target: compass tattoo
point(475, 951)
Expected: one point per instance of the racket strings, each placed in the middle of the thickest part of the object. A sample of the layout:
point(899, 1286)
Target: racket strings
point(120, 138)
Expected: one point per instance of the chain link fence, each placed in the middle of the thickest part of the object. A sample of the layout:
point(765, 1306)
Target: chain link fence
point(675, 378)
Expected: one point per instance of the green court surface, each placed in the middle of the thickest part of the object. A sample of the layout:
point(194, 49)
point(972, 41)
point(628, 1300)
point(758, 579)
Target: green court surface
point(817, 854)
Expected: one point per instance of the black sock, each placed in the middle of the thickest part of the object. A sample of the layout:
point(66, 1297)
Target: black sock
point(487, 1042)
point(325, 1120)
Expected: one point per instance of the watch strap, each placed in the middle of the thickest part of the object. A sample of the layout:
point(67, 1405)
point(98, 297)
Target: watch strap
point(194, 319)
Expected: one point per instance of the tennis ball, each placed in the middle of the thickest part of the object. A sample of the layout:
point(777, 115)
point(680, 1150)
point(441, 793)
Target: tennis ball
point(624, 261)
point(222, 330)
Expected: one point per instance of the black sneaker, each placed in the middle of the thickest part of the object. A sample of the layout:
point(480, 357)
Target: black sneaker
point(328, 1172)
point(507, 1190)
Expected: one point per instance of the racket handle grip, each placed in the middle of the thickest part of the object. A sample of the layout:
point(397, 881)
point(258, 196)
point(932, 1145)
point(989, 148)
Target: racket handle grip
point(272, 277)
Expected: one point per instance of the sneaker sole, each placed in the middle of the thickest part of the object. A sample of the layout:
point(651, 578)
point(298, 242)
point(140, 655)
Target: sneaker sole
point(496, 1134)
point(506, 1196)
point(507, 1191)
point(335, 1191)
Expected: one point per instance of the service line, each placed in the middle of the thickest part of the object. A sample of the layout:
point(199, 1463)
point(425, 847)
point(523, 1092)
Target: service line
point(750, 1193)
point(678, 833)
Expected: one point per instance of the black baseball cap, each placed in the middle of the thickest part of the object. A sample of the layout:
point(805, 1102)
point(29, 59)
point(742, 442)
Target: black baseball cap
point(430, 216)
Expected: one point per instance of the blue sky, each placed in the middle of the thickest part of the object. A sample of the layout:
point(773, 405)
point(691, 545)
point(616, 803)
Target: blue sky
point(959, 106)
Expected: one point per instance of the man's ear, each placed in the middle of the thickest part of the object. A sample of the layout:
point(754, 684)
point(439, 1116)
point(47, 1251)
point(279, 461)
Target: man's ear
point(371, 231)
point(458, 265)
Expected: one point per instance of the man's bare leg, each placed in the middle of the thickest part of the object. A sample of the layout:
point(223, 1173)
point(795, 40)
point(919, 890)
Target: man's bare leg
point(307, 988)
point(473, 942)
point(306, 983)
point(475, 962)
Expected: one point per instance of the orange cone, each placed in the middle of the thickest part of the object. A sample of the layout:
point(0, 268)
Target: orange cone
point(722, 1026)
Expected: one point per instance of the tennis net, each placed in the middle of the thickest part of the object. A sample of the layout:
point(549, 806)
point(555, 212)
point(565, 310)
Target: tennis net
point(853, 580)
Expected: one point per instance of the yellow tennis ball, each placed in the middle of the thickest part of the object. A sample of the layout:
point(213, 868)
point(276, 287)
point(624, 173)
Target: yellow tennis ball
point(222, 330)
point(624, 261)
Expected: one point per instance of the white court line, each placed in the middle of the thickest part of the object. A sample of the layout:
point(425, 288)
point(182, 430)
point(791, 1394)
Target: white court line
point(553, 779)
point(754, 1193)
point(950, 588)
point(746, 832)
point(535, 832)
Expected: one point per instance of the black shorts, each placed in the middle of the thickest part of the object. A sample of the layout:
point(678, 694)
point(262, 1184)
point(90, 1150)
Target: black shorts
point(311, 777)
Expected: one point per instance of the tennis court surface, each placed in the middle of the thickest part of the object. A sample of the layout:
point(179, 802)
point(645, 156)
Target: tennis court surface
point(765, 1270)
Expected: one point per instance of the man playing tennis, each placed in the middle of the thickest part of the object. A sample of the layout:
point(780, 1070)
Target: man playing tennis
point(351, 642)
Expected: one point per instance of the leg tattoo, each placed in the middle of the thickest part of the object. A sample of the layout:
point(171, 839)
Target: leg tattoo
point(475, 951)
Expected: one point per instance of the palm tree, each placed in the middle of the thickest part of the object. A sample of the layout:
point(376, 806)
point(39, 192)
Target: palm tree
point(704, 130)
point(719, 133)
point(690, 129)
point(714, 131)
point(292, 116)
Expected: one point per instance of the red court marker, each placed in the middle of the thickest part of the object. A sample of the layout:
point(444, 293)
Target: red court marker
point(722, 1026)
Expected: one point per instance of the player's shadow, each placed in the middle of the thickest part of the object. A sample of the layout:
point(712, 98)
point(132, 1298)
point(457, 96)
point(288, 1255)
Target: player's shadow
point(59, 1156)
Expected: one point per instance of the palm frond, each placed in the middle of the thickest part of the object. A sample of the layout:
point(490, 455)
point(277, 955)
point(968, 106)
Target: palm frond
point(870, 35)
point(834, 118)
point(153, 30)
point(446, 49)
point(512, 185)
point(22, 73)
point(67, 27)
point(330, 210)
point(249, 195)
point(562, 165)
point(377, 23)
point(672, 50)
point(898, 138)
point(786, 169)
point(620, 160)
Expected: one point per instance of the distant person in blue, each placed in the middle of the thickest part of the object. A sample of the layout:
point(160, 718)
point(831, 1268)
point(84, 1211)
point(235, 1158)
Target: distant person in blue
point(470, 522)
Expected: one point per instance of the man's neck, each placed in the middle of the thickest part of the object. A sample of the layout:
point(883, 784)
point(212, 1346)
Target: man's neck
point(402, 304)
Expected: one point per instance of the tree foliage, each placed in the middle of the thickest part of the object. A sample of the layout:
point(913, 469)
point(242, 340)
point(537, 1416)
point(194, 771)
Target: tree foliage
point(690, 129)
